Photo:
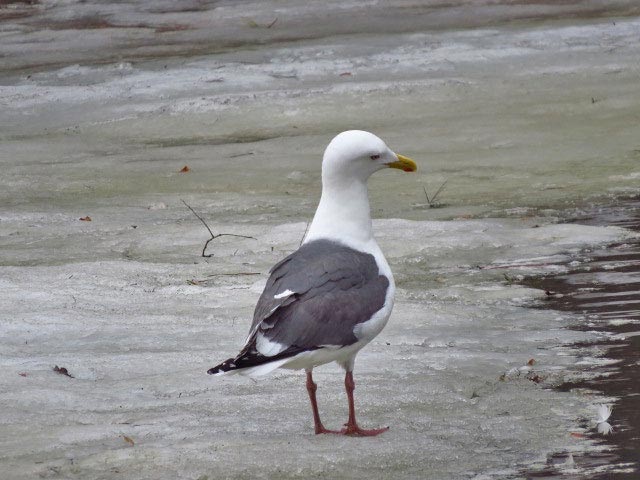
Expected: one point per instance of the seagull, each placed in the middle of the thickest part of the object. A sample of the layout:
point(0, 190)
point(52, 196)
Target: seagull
point(332, 296)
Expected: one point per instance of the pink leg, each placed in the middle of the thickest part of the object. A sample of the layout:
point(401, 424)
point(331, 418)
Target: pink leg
point(351, 427)
point(311, 388)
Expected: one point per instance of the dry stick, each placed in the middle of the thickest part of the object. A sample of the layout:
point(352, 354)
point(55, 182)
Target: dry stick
point(213, 237)
point(212, 276)
point(433, 199)
point(435, 195)
point(232, 274)
point(240, 155)
point(426, 195)
point(304, 234)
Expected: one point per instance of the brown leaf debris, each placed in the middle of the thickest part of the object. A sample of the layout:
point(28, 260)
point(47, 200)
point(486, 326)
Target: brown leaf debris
point(62, 371)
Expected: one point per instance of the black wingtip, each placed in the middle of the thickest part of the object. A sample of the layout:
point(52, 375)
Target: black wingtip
point(250, 357)
point(224, 367)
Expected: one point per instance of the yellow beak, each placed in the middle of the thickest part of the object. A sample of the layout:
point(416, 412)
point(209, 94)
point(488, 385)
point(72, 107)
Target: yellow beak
point(403, 163)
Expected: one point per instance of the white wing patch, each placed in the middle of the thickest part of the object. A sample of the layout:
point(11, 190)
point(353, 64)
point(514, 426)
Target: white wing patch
point(267, 347)
point(286, 293)
point(262, 369)
point(255, 329)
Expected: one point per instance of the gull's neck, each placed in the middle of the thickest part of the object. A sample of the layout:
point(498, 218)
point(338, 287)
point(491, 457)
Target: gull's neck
point(343, 213)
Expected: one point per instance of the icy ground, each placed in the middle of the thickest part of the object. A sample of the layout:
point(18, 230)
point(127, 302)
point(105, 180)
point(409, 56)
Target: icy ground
point(101, 105)
point(138, 338)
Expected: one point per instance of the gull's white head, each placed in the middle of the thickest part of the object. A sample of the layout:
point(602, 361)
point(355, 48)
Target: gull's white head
point(343, 213)
point(355, 155)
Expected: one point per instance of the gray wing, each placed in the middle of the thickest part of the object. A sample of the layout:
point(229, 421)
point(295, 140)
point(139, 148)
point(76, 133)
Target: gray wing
point(317, 295)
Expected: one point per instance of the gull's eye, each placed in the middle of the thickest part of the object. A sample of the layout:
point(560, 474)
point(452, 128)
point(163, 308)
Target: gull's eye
point(375, 157)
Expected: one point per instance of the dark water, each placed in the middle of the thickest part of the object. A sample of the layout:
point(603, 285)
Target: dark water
point(604, 287)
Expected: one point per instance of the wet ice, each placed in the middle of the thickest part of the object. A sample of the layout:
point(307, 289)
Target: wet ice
point(515, 132)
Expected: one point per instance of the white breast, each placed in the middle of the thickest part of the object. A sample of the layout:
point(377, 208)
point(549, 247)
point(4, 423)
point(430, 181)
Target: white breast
point(368, 330)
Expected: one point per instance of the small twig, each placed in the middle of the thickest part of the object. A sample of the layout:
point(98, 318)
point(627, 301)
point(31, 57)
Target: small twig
point(431, 201)
point(426, 195)
point(306, 229)
point(435, 195)
point(272, 23)
point(206, 244)
point(198, 216)
point(213, 237)
point(212, 277)
point(232, 274)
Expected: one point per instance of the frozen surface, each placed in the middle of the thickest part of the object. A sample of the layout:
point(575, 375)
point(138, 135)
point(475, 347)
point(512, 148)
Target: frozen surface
point(101, 105)
point(534, 115)
point(138, 339)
